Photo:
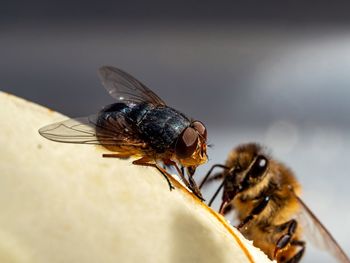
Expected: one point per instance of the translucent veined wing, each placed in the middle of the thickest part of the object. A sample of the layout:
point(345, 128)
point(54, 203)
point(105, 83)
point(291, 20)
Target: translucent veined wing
point(124, 87)
point(90, 130)
point(318, 235)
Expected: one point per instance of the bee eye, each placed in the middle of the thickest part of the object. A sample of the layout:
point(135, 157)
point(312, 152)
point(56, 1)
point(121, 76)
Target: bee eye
point(186, 143)
point(200, 128)
point(259, 167)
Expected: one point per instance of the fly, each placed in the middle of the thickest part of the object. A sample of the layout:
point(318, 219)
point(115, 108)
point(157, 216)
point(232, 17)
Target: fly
point(138, 124)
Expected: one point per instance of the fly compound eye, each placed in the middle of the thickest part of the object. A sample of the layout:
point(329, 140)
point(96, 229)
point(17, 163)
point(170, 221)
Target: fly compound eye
point(200, 128)
point(259, 167)
point(186, 143)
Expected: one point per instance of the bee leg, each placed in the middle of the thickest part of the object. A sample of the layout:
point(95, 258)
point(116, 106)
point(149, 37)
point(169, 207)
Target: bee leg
point(144, 161)
point(296, 258)
point(227, 209)
point(216, 176)
point(224, 203)
point(256, 211)
point(285, 239)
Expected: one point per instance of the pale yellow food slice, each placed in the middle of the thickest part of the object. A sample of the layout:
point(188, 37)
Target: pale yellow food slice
point(65, 203)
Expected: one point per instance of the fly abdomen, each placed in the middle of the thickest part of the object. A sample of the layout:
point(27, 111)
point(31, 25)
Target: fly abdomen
point(131, 114)
point(111, 120)
point(115, 111)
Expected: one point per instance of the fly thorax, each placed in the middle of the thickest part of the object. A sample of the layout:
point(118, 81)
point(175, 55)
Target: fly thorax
point(160, 127)
point(138, 112)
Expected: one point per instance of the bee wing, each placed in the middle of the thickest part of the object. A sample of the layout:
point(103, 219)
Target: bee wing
point(316, 232)
point(124, 87)
point(87, 130)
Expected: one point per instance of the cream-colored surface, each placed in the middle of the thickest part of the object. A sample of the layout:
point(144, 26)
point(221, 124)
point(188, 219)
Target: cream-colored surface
point(65, 203)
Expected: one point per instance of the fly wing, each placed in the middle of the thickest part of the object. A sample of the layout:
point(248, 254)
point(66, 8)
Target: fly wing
point(89, 130)
point(316, 232)
point(124, 87)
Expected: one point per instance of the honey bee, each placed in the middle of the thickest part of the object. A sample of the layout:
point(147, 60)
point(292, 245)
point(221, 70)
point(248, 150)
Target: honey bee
point(139, 124)
point(265, 195)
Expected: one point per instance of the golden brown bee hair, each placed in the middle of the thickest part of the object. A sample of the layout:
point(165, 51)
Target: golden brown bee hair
point(262, 191)
point(265, 195)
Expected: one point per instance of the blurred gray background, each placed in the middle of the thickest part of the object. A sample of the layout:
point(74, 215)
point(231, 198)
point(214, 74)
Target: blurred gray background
point(273, 72)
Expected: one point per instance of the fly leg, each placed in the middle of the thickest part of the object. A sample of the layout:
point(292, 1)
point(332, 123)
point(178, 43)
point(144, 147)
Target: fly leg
point(193, 185)
point(187, 183)
point(256, 211)
point(116, 155)
point(145, 161)
point(181, 174)
point(195, 188)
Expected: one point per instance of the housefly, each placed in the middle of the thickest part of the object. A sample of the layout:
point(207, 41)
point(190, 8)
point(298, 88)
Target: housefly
point(138, 124)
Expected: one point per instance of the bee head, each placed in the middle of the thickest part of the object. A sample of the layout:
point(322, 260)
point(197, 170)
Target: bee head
point(191, 147)
point(254, 174)
point(250, 166)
